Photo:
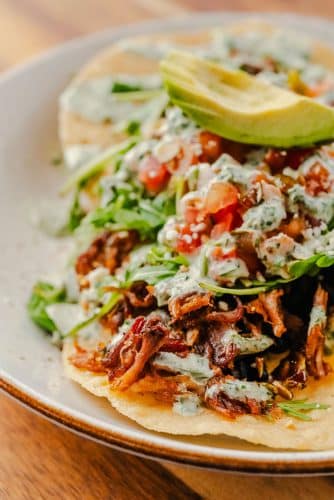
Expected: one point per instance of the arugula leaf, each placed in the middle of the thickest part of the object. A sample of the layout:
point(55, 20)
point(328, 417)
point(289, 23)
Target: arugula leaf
point(107, 307)
point(97, 164)
point(312, 265)
point(145, 217)
point(299, 408)
point(150, 274)
point(42, 295)
point(219, 290)
point(162, 255)
point(76, 213)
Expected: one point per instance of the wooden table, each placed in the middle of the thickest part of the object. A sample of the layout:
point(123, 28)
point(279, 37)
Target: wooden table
point(37, 459)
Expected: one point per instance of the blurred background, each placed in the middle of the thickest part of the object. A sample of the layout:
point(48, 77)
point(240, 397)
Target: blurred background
point(30, 26)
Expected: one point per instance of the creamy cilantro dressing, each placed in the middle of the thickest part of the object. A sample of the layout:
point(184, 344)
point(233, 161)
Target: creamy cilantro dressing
point(195, 366)
point(93, 99)
point(285, 48)
point(240, 390)
point(266, 216)
point(246, 345)
point(227, 169)
point(93, 294)
point(67, 316)
point(227, 270)
point(187, 405)
point(318, 316)
point(320, 206)
point(181, 283)
point(76, 155)
point(276, 252)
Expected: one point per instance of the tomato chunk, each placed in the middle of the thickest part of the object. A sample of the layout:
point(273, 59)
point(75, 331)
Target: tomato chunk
point(187, 241)
point(153, 175)
point(221, 196)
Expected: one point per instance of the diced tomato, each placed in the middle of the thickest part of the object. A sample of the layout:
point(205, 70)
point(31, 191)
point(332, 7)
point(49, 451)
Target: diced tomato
point(295, 157)
point(221, 195)
point(317, 179)
point(212, 147)
point(153, 175)
point(187, 241)
point(277, 159)
point(219, 254)
point(191, 214)
point(225, 221)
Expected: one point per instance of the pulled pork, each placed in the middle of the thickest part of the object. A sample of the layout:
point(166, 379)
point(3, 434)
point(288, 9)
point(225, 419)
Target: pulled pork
point(87, 360)
point(187, 303)
point(140, 297)
point(126, 361)
point(268, 305)
point(314, 348)
point(232, 408)
point(107, 250)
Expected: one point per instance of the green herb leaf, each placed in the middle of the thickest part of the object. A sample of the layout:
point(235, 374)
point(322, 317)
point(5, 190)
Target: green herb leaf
point(133, 127)
point(219, 290)
point(160, 254)
point(97, 165)
point(299, 408)
point(107, 307)
point(311, 265)
point(125, 87)
point(44, 294)
point(76, 213)
point(145, 217)
point(150, 274)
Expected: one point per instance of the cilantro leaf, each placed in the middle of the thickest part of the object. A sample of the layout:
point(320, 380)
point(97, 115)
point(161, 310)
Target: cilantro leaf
point(42, 295)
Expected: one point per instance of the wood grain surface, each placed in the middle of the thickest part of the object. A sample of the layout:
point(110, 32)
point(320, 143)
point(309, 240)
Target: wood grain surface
point(37, 459)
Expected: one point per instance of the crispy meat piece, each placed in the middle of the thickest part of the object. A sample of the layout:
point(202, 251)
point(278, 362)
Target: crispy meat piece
point(126, 361)
point(187, 303)
point(314, 349)
point(222, 354)
point(139, 296)
point(227, 316)
point(247, 252)
point(268, 305)
point(87, 360)
point(115, 318)
point(232, 408)
point(292, 371)
point(107, 250)
point(293, 228)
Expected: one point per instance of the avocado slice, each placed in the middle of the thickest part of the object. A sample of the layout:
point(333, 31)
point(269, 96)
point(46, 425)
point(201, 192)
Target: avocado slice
point(240, 107)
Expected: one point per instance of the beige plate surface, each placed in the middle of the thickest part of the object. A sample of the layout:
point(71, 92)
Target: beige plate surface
point(30, 368)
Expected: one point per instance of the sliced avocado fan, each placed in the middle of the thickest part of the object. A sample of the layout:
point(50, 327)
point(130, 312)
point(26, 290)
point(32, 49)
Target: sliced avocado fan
point(243, 108)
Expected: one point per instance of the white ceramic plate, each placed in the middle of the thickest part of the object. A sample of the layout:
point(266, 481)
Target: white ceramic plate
point(30, 368)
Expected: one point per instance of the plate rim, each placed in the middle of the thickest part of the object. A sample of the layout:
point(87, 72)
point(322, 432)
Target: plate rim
point(233, 460)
